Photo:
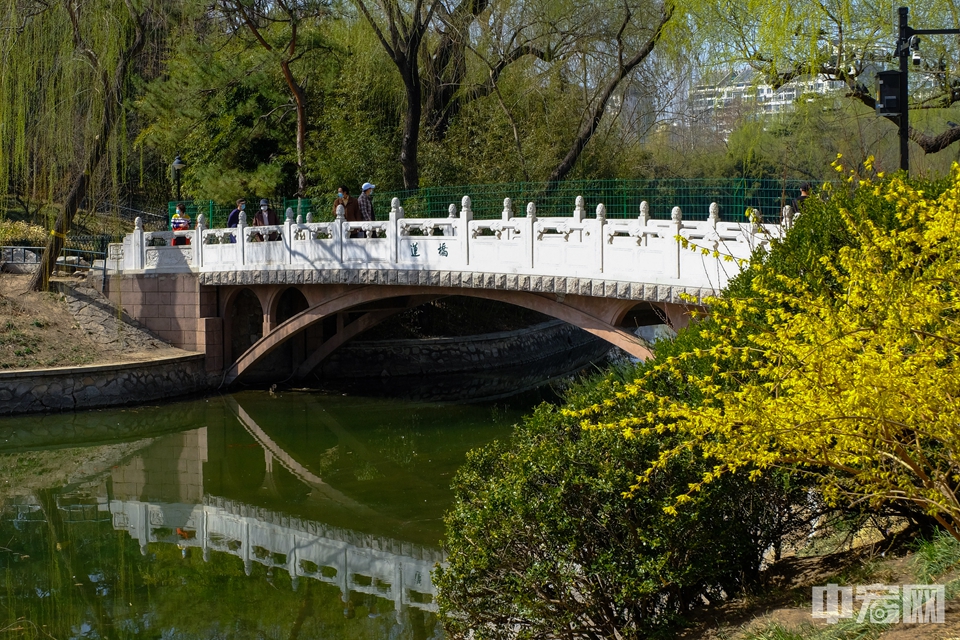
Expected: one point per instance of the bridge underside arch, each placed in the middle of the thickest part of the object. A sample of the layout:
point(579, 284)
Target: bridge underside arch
point(598, 316)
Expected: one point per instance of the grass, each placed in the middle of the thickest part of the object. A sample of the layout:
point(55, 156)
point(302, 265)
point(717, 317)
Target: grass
point(843, 630)
point(936, 557)
point(934, 560)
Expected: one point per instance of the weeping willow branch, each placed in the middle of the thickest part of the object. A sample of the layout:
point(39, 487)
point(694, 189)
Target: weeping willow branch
point(112, 87)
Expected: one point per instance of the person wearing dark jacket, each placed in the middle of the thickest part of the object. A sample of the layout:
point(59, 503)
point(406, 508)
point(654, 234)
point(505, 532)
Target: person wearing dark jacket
point(266, 217)
point(351, 209)
point(234, 218)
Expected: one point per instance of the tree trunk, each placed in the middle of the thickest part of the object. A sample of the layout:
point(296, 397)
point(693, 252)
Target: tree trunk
point(300, 101)
point(590, 127)
point(57, 238)
point(411, 131)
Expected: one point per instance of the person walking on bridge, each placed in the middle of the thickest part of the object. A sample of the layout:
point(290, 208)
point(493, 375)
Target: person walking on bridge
point(266, 217)
point(351, 209)
point(233, 220)
point(365, 203)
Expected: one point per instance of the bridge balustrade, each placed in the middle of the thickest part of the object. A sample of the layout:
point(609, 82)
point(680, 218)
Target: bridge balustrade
point(352, 561)
point(579, 245)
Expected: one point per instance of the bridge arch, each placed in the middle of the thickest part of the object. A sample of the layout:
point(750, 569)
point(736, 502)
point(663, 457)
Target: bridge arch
point(243, 321)
point(594, 315)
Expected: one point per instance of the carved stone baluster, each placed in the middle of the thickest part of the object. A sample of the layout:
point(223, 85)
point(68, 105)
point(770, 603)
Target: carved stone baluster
point(138, 243)
point(530, 223)
point(198, 240)
point(601, 223)
point(579, 210)
point(714, 215)
point(787, 217)
point(673, 269)
point(288, 235)
point(394, 228)
point(466, 215)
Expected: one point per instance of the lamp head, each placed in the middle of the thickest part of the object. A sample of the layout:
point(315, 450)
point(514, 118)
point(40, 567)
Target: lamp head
point(178, 163)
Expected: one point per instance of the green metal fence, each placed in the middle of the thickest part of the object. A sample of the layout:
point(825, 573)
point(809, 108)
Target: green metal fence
point(622, 199)
point(217, 214)
point(95, 244)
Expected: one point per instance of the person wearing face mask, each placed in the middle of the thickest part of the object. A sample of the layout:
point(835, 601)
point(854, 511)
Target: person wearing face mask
point(351, 209)
point(266, 217)
point(233, 220)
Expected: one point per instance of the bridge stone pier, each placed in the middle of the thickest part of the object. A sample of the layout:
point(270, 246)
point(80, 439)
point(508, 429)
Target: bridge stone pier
point(256, 298)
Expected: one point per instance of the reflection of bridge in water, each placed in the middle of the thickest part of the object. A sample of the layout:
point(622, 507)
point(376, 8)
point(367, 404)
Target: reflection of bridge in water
point(164, 496)
point(213, 489)
point(352, 561)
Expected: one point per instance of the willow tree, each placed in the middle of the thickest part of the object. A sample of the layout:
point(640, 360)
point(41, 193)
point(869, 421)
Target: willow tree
point(68, 67)
point(846, 41)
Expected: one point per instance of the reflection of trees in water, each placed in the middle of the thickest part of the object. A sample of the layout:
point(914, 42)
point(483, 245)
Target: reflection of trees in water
point(399, 442)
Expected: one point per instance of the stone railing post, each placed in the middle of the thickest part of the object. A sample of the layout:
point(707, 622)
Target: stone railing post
point(288, 235)
point(242, 237)
point(755, 220)
point(787, 219)
point(393, 230)
point(644, 216)
point(601, 221)
point(451, 216)
point(466, 215)
point(506, 215)
point(672, 269)
point(528, 224)
point(138, 246)
point(714, 215)
point(198, 240)
point(579, 211)
point(338, 232)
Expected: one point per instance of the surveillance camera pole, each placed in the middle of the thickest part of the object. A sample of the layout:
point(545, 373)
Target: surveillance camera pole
point(905, 41)
point(903, 50)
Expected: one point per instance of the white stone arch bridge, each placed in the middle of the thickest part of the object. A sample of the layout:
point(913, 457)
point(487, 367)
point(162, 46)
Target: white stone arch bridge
point(318, 284)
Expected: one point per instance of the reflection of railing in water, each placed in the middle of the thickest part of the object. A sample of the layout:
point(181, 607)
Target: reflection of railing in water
point(350, 560)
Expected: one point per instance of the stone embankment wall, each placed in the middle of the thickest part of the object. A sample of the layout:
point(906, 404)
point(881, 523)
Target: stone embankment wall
point(115, 331)
point(469, 354)
point(87, 387)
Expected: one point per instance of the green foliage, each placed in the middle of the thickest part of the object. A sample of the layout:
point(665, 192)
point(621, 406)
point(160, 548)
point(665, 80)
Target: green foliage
point(543, 538)
point(935, 557)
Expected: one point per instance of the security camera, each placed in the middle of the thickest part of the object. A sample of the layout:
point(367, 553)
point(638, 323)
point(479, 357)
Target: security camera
point(916, 58)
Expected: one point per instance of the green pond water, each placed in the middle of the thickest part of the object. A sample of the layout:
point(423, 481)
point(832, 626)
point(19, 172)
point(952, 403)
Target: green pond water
point(295, 515)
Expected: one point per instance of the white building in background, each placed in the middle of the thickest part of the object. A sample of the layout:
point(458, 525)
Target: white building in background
point(742, 93)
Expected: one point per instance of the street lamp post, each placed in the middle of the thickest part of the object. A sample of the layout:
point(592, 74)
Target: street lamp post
point(177, 165)
point(908, 48)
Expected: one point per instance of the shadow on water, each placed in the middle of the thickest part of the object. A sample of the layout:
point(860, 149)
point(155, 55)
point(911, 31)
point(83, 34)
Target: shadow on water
point(261, 515)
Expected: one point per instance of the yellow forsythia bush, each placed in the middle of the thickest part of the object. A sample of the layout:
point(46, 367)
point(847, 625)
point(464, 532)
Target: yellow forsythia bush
point(852, 376)
point(18, 230)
